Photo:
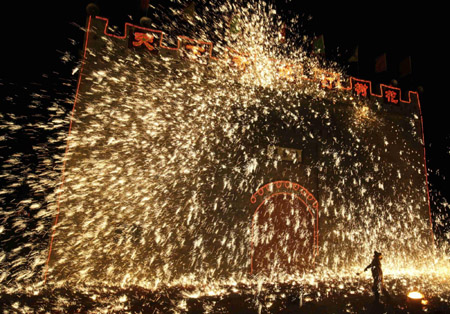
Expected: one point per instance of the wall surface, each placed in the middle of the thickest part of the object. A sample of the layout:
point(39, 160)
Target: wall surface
point(176, 164)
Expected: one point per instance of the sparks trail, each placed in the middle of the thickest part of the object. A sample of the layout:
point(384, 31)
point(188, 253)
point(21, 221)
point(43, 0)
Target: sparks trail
point(169, 144)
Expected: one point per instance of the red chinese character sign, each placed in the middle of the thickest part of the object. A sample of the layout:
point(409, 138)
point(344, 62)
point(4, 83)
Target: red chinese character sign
point(361, 89)
point(145, 40)
point(238, 61)
point(390, 95)
point(195, 50)
point(327, 80)
point(289, 72)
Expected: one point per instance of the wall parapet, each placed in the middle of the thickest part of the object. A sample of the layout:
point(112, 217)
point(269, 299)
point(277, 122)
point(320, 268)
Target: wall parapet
point(203, 52)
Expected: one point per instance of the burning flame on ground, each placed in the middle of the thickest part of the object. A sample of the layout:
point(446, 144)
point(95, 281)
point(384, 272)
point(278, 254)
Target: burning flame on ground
point(415, 295)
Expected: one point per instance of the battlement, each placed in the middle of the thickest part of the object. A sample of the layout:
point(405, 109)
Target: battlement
point(156, 41)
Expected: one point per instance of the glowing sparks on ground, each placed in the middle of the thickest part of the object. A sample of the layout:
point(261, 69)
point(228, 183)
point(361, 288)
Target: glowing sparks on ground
point(415, 295)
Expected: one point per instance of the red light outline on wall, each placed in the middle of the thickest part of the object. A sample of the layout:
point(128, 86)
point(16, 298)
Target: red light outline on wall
point(67, 150)
point(297, 191)
point(314, 78)
point(426, 170)
point(303, 76)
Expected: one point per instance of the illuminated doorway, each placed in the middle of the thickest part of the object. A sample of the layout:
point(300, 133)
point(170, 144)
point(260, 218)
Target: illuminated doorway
point(284, 235)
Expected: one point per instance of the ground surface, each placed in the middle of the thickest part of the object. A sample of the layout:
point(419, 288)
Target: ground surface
point(321, 297)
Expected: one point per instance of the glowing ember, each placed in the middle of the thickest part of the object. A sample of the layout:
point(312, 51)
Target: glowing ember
point(415, 295)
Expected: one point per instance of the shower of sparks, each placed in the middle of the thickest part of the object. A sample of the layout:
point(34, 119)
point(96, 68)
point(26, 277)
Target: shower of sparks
point(164, 155)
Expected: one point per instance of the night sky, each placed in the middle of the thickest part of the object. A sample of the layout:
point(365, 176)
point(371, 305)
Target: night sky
point(37, 35)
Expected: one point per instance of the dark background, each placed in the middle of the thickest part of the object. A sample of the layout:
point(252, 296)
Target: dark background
point(37, 35)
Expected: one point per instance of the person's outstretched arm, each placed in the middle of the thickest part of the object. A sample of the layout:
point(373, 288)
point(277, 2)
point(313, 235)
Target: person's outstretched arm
point(368, 266)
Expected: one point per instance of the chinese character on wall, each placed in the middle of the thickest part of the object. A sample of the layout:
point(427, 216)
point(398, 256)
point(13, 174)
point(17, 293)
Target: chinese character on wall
point(361, 89)
point(391, 96)
point(144, 39)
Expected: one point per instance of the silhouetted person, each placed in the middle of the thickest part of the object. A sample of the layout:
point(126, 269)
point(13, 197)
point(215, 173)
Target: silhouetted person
point(377, 274)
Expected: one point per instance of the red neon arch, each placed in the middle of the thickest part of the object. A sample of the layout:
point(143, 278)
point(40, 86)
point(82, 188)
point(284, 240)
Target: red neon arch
point(273, 189)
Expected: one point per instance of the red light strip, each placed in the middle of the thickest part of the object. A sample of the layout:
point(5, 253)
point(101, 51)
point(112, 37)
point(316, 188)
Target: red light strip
point(67, 150)
point(426, 169)
point(314, 78)
point(382, 88)
point(261, 189)
point(288, 185)
point(105, 31)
